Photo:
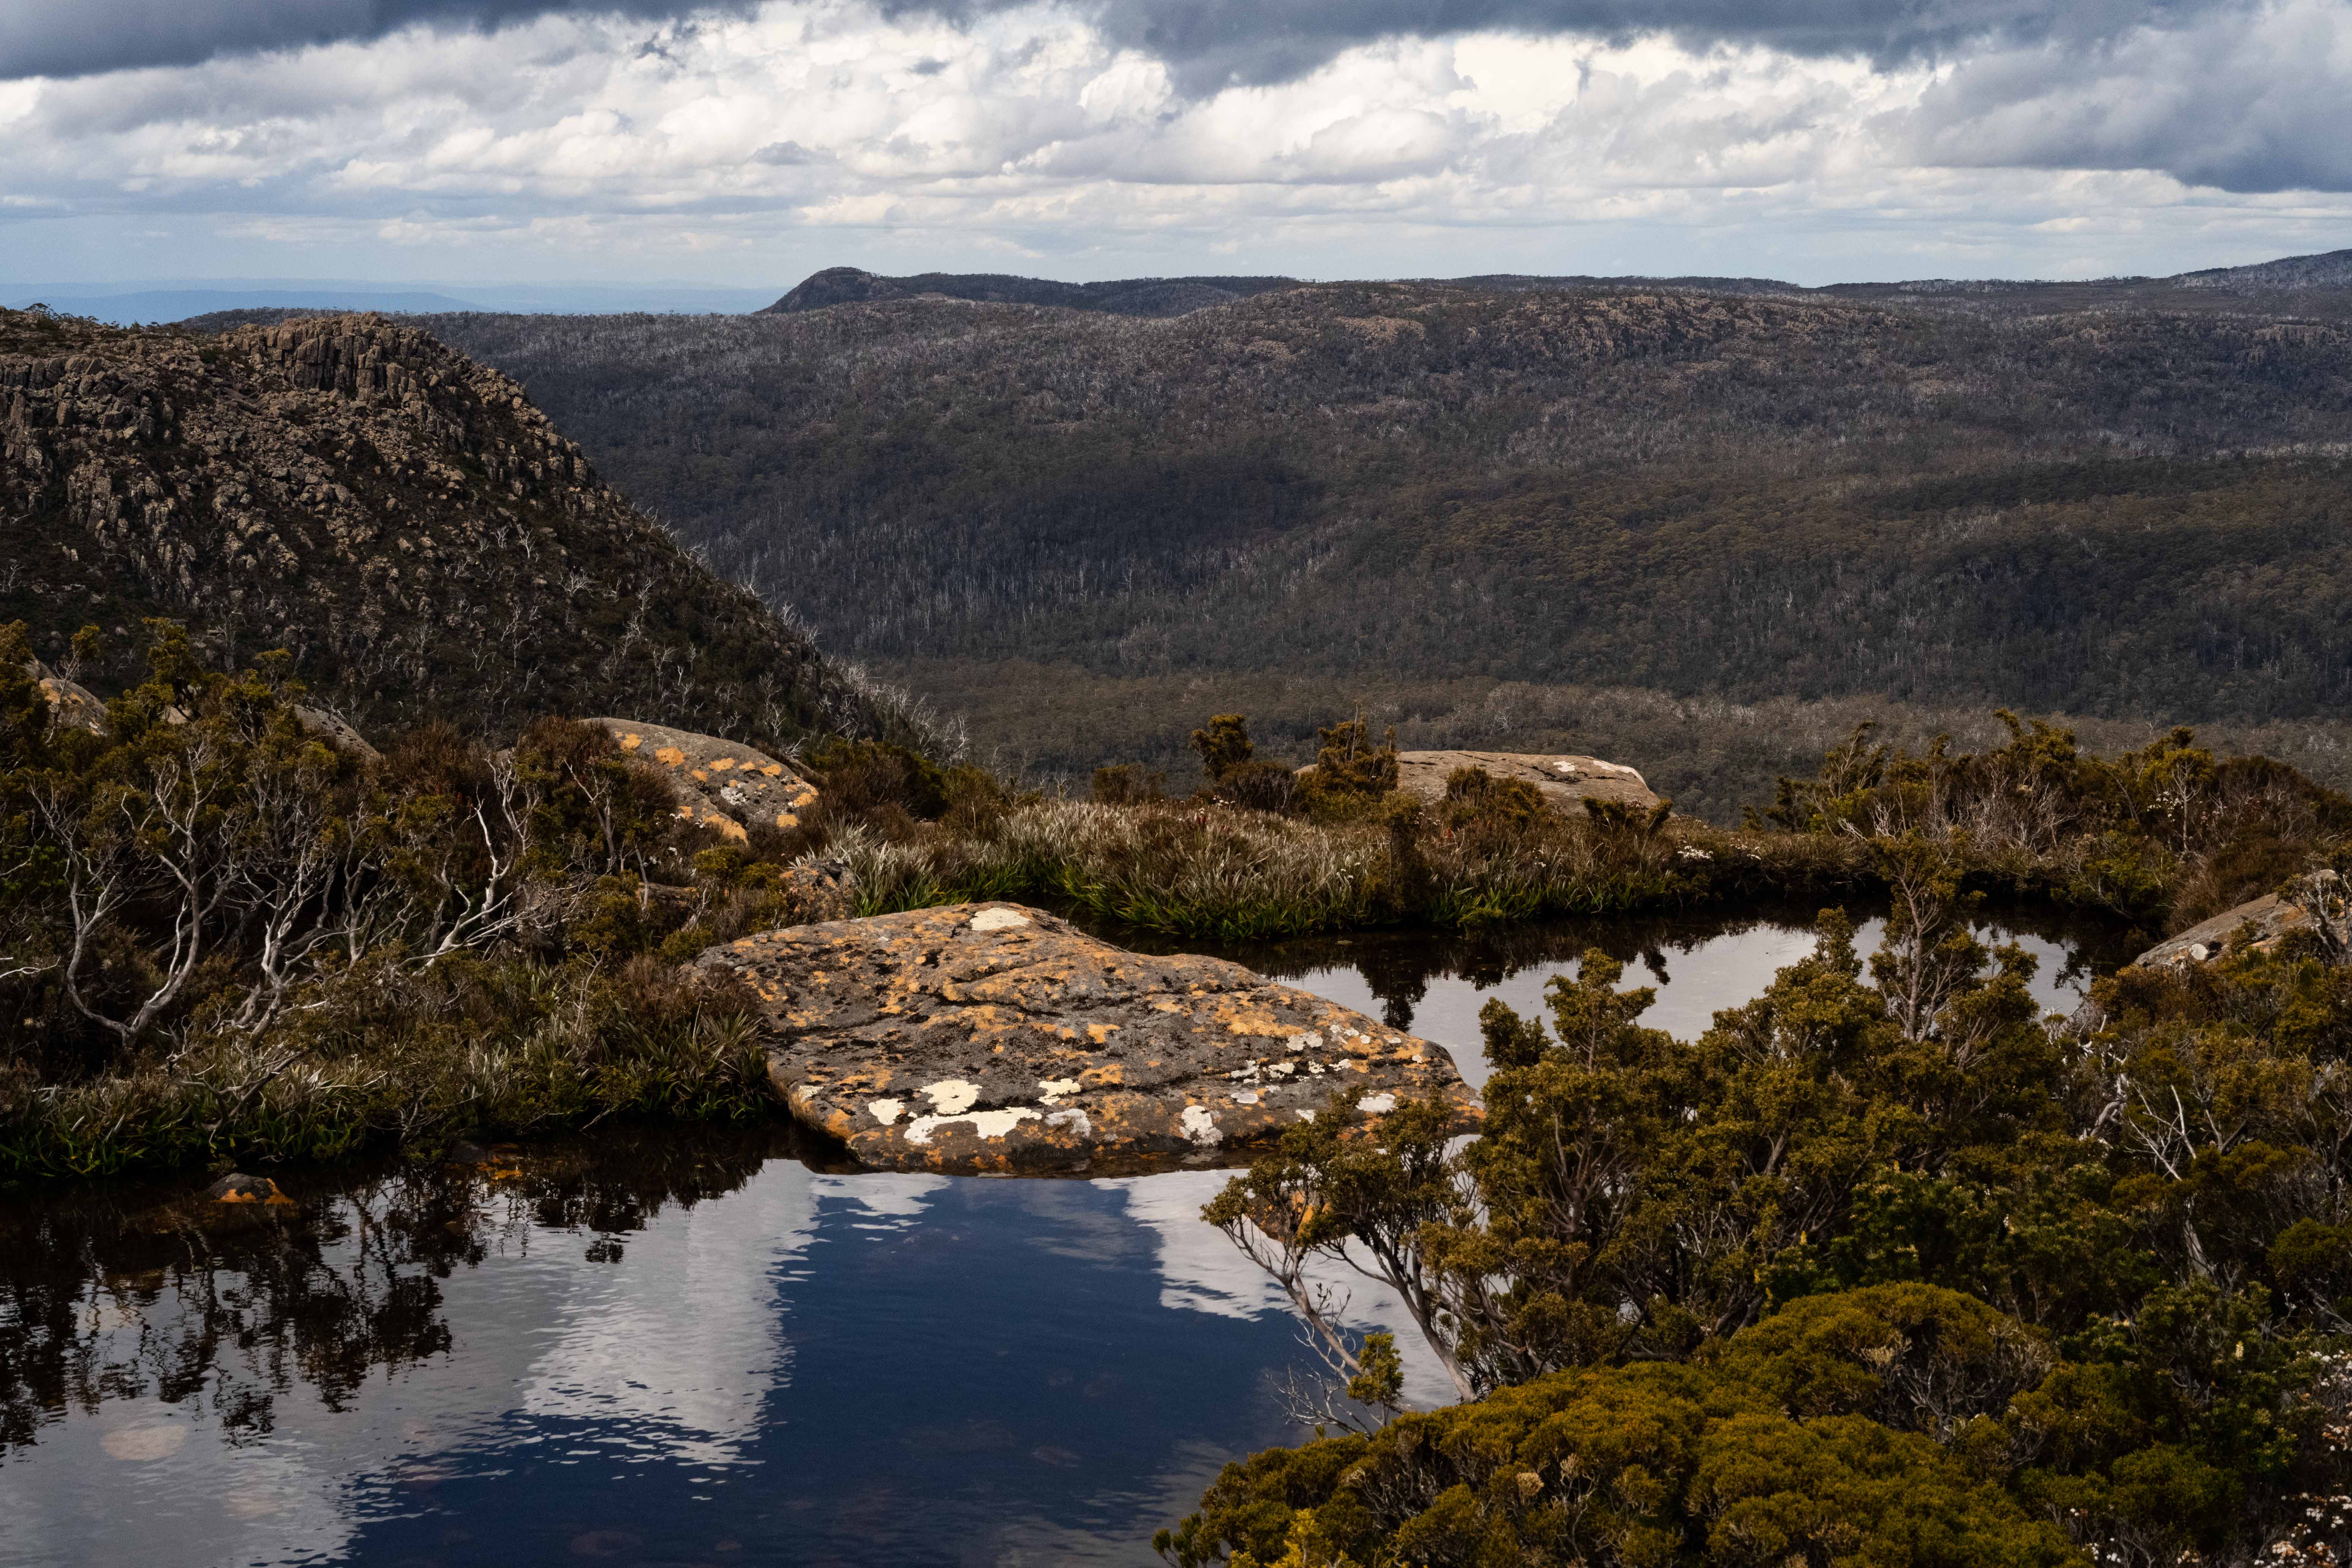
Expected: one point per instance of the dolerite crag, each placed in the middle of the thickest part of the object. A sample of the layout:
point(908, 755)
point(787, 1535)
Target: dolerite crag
point(990, 1037)
point(722, 784)
point(398, 518)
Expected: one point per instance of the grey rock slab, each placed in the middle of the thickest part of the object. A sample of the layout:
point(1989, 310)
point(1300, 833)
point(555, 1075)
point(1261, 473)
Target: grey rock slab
point(991, 1038)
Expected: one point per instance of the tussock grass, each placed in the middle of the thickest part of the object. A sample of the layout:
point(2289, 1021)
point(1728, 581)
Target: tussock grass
point(473, 1048)
point(1215, 871)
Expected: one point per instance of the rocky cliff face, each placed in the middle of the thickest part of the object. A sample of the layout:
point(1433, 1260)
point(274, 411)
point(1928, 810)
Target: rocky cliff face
point(400, 519)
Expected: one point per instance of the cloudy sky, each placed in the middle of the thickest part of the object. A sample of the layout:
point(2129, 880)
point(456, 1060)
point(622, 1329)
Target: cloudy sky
point(750, 142)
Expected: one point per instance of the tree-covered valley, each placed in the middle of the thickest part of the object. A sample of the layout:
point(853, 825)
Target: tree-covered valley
point(1500, 508)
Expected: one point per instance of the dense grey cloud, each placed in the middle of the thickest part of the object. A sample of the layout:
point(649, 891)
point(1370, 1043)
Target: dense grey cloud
point(2213, 101)
point(1207, 44)
point(64, 38)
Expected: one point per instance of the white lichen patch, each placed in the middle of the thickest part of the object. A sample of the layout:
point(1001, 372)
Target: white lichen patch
point(998, 920)
point(1301, 1042)
point(886, 1111)
point(987, 1123)
point(1246, 1097)
point(951, 1095)
point(1201, 1126)
point(1377, 1102)
point(1074, 1119)
point(1051, 1089)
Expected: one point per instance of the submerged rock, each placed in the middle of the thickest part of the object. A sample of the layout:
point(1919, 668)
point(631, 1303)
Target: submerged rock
point(239, 1188)
point(720, 784)
point(990, 1037)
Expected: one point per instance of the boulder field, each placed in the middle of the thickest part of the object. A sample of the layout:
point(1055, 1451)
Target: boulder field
point(995, 1038)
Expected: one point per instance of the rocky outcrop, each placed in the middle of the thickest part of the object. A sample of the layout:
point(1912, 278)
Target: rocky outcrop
point(71, 706)
point(990, 1037)
point(74, 705)
point(401, 519)
point(1565, 780)
point(2315, 903)
point(722, 784)
point(332, 728)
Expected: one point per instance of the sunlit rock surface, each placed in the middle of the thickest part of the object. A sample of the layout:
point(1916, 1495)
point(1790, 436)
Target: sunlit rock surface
point(71, 705)
point(994, 1037)
point(2314, 903)
point(1566, 780)
point(720, 784)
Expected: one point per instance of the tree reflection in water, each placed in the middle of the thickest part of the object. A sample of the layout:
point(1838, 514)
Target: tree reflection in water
point(127, 1292)
point(1398, 966)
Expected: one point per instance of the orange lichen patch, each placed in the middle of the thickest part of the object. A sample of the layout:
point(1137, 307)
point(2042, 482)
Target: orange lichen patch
point(718, 780)
point(1099, 1033)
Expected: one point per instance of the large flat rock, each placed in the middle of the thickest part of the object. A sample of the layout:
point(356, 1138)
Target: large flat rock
point(2269, 915)
point(1563, 778)
point(990, 1037)
point(722, 784)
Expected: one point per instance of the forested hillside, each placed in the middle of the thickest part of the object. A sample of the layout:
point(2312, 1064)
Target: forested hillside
point(400, 519)
point(2107, 510)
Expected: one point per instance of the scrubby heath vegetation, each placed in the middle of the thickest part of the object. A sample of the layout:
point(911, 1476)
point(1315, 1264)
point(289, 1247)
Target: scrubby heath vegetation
point(1880, 1269)
point(1714, 756)
point(2159, 837)
point(401, 520)
point(1425, 494)
point(227, 939)
point(223, 939)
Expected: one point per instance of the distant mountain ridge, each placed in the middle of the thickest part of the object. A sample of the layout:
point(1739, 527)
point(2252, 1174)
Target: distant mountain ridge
point(2329, 270)
point(1149, 296)
point(400, 519)
point(146, 306)
point(1166, 297)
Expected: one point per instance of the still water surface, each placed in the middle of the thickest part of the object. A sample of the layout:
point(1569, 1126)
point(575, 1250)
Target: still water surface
point(697, 1347)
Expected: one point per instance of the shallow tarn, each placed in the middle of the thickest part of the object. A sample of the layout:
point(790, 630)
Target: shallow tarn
point(695, 1347)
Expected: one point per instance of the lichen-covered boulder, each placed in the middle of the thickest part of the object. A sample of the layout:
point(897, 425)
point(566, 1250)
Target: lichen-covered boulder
point(2318, 902)
point(72, 706)
point(722, 784)
point(989, 1037)
point(320, 724)
point(1565, 780)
